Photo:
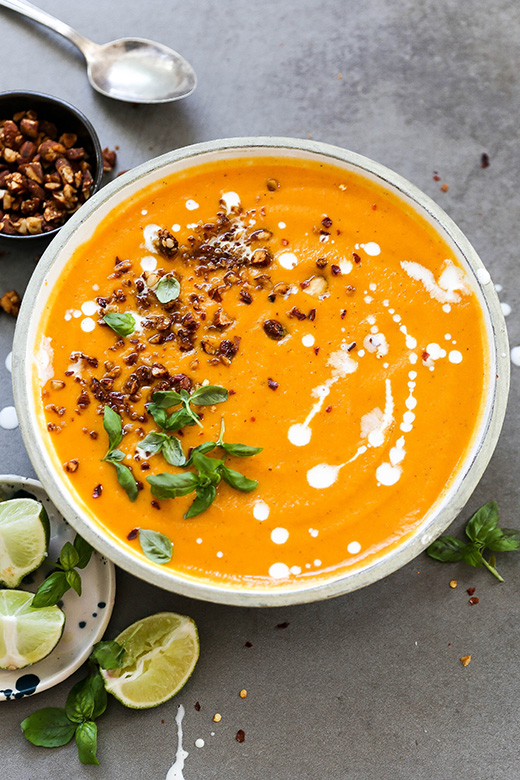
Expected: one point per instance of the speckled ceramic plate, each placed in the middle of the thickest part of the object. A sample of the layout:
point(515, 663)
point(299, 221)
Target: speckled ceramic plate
point(86, 616)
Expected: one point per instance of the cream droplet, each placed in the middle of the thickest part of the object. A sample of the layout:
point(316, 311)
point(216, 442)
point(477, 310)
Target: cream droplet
point(279, 535)
point(353, 548)
point(191, 205)
point(88, 325)
point(278, 571)
point(8, 418)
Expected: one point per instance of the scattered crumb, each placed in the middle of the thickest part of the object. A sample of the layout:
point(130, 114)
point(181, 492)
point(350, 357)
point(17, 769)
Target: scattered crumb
point(10, 303)
point(340, 76)
point(217, 717)
point(241, 735)
point(248, 644)
point(453, 583)
point(470, 591)
point(197, 706)
point(309, 135)
point(465, 660)
point(445, 187)
point(473, 600)
point(243, 693)
point(484, 160)
point(282, 625)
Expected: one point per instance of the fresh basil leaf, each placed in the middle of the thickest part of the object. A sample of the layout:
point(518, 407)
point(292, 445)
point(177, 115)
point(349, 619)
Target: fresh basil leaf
point(483, 522)
point(86, 740)
point(48, 727)
point(126, 480)
point(99, 693)
point(240, 450)
point(168, 289)
point(80, 702)
point(157, 547)
point(159, 415)
point(69, 556)
point(503, 540)
point(473, 555)
point(202, 448)
point(207, 395)
point(84, 551)
point(74, 580)
point(152, 443)
point(237, 480)
point(205, 497)
point(206, 467)
point(447, 548)
point(166, 398)
point(115, 456)
point(113, 427)
point(51, 590)
point(173, 422)
point(120, 322)
point(172, 451)
point(109, 654)
point(167, 485)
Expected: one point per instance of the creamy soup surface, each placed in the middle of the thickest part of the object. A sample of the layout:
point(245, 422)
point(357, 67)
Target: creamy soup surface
point(349, 340)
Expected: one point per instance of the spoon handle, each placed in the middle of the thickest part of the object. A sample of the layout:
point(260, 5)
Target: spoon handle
point(86, 46)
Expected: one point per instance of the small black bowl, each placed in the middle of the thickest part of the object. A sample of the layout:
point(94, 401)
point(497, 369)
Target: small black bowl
point(67, 119)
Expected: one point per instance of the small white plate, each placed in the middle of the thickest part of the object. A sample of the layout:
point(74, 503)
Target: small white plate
point(86, 616)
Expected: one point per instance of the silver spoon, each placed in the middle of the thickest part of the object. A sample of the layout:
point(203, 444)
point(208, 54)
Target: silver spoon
point(131, 69)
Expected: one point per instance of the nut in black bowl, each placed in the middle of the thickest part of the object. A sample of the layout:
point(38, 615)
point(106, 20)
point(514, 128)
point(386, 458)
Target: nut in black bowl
point(50, 163)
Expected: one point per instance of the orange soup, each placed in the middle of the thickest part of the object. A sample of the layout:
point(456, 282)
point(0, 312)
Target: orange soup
point(291, 307)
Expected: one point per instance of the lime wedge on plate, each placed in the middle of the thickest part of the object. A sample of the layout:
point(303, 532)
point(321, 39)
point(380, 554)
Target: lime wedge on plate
point(161, 653)
point(24, 538)
point(26, 634)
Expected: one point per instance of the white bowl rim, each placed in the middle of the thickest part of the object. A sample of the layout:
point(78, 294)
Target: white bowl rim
point(463, 485)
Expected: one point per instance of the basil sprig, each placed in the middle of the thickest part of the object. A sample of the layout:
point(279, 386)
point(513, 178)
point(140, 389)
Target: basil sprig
point(87, 701)
point(483, 532)
point(121, 323)
point(209, 473)
point(207, 395)
point(72, 557)
point(113, 426)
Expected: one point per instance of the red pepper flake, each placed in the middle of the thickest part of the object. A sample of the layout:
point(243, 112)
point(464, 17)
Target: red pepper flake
point(356, 258)
point(285, 242)
point(97, 491)
point(470, 591)
point(272, 384)
point(436, 177)
point(133, 534)
point(425, 355)
point(374, 206)
point(349, 349)
point(312, 315)
point(197, 706)
point(328, 409)
point(336, 270)
point(248, 644)
point(282, 625)
point(253, 419)
point(232, 392)
point(155, 504)
point(343, 314)
point(473, 600)
point(326, 222)
point(241, 735)
point(316, 350)
point(484, 160)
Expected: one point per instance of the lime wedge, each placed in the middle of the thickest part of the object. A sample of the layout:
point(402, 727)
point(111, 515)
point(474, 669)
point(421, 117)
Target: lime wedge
point(26, 634)
point(24, 537)
point(161, 653)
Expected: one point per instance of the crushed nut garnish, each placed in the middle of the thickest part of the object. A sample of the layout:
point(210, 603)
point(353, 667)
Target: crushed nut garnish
point(10, 302)
point(71, 466)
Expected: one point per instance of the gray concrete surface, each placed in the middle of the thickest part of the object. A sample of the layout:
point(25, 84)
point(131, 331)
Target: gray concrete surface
point(368, 686)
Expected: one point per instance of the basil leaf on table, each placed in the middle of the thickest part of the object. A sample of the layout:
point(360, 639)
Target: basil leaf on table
point(85, 551)
point(483, 522)
point(447, 548)
point(86, 740)
point(48, 727)
point(51, 590)
point(80, 702)
point(108, 654)
point(156, 546)
point(121, 323)
point(69, 556)
point(74, 580)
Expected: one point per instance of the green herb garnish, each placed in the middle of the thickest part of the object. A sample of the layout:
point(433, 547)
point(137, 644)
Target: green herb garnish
point(87, 701)
point(210, 471)
point(168, 289)
point(157, 547)
point(166, 399)
point(121, 322)
point(113, 426)
point(483, 532)
point(53, 588)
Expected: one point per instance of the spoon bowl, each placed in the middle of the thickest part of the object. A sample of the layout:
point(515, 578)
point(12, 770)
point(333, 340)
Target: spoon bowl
point(140, 71)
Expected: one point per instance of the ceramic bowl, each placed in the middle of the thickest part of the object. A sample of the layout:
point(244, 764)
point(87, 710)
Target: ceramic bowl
point(80, 227)
point(68, 119)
